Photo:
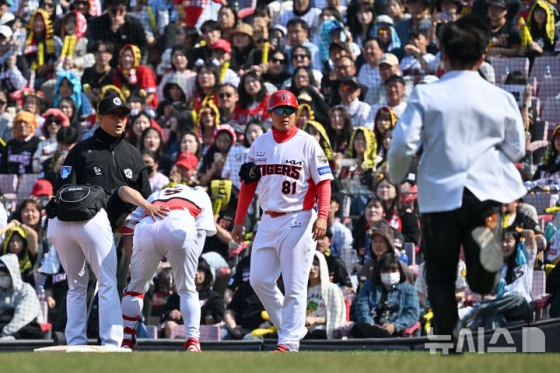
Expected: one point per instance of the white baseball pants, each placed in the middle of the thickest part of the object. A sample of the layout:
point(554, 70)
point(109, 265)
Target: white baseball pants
point(91, 241)
point(175, 237)
point(284, 245)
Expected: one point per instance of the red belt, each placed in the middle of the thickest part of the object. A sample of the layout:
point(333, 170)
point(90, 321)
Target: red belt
point(275, 214)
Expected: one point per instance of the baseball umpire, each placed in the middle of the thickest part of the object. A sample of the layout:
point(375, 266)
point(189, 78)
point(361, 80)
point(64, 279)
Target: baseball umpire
point(292, 171)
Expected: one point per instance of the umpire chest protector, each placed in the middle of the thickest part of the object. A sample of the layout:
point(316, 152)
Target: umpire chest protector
point(79, 202)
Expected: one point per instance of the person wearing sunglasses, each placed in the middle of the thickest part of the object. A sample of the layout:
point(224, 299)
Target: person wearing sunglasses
point(277, 72)
point(54, 121)
point(119, 28)
point(294, 171)
point(227, 101)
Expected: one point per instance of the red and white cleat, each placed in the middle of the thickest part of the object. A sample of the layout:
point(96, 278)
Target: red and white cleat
point(192, 345)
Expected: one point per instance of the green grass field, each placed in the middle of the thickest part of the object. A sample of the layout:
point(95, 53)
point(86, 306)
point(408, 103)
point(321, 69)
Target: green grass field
point(245, 362)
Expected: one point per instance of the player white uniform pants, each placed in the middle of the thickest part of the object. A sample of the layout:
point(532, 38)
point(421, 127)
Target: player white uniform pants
point(284, 245)
point(175, 237)
point(91, 241)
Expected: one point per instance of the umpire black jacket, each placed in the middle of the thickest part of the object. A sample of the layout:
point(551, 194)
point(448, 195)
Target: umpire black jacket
point(106, 161)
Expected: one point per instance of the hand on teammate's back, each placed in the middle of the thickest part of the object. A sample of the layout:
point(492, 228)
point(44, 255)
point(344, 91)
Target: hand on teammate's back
point(157, 211)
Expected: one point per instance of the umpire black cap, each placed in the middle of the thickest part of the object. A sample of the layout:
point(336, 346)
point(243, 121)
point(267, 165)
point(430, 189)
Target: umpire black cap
point(111, 104)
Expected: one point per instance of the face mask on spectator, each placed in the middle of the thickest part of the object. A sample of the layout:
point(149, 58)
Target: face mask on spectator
point(390, 279)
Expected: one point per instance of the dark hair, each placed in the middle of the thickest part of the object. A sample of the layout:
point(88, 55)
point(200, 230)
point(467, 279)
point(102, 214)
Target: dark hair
point(245, 99)
point(208, 276)
point(109, 3)
point(261, 11)
point(254, 122)
point(377, 40)
point(108, 45)
point(235, 15)
point(49, 119)
point(312, 80)
point(68, 100)
point(328, 234)
point(300, 46)
point(334, 12)
point(151, 154)
point(388, 261)
point(510, 262)
point(67, 135)
point(199, 150)
point(298, 22)
point(179, 48)
point(465, 41)
point(145, 133)
point(214, 70)
point(334, 46)
point(356, 28)
point(185, 122)
point(347, 127)
point(394, 78)
point(396, 205)
point(230, 85)
point(132, 137)
point(516, 77)
point(211, 24)
point(415, 33)
point(35, 202)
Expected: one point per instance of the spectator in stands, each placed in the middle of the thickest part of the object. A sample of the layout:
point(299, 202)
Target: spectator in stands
point(157, 179)
point(74, 42)
point(277, 72)
point(417, 59)
point(396, 10)
point(388, 66)
point(221, 57)
point(304, 10)
point(360, 112)
point(513, 218)
point(386, 304)
point(151, 139)
point(384, 30)
point(175, 95)
point(30, 213)
point(6, 17)
point(399, 217)
point(243, 44)
point(419, 20)
point(224, 198)
point(344, 68)
point(213, 160)
point(138, 124)
point(208, 121)
point(369, 72)
point(341, 244)
point(548, 170)
point(54, 121)
point(185, 169)
point(542, 29)
point(238, 152)
point(385, 120)
point(68, 108)
point(339, 129)
point(510, 302)
point(180, 123)
point(13, 66)
point(20, 239)
point(180, 73)
point(117, 27)
point(365, 14)
point(42, 47)
point(253, 101)
point(298, 35)
point(101, 73)
point(395, 87)
point(326, 309)
point(206, 88)
point(303, 77)
point(68, 86)
point(211, 33)
point(506, 38)
point(337, 272)
point(18, 154)
point(132, 77)
point(317, 130)
point(212, 303)
point(20, 313)
point(227, 102)
point(243, 314)
point(227, 20)
point(460, 285)
point(6, 120)
point(66, 138)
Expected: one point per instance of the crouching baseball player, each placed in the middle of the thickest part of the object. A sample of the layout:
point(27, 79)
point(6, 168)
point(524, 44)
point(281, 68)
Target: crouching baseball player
point(180, 237)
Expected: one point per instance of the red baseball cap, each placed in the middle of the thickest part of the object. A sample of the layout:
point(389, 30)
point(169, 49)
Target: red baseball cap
point(222, 44)
point(187, 160)
point(41, 188)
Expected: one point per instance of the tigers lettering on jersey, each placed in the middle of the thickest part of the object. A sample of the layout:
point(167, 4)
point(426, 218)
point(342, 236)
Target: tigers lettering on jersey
point(289, 170)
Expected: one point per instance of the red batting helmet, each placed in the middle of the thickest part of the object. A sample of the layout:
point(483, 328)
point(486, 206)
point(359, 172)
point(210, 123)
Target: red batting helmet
point(282, 98)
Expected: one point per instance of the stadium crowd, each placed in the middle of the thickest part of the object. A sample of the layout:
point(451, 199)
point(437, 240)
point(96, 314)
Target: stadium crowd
point(197, 76)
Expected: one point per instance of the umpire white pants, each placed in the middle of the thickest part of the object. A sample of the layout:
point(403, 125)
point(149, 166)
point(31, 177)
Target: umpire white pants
point(91, 241)
point(284, 245)
point(174, 237)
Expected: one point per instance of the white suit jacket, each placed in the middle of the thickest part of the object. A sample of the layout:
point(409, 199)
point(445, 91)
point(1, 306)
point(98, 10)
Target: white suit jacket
point(471, 133)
